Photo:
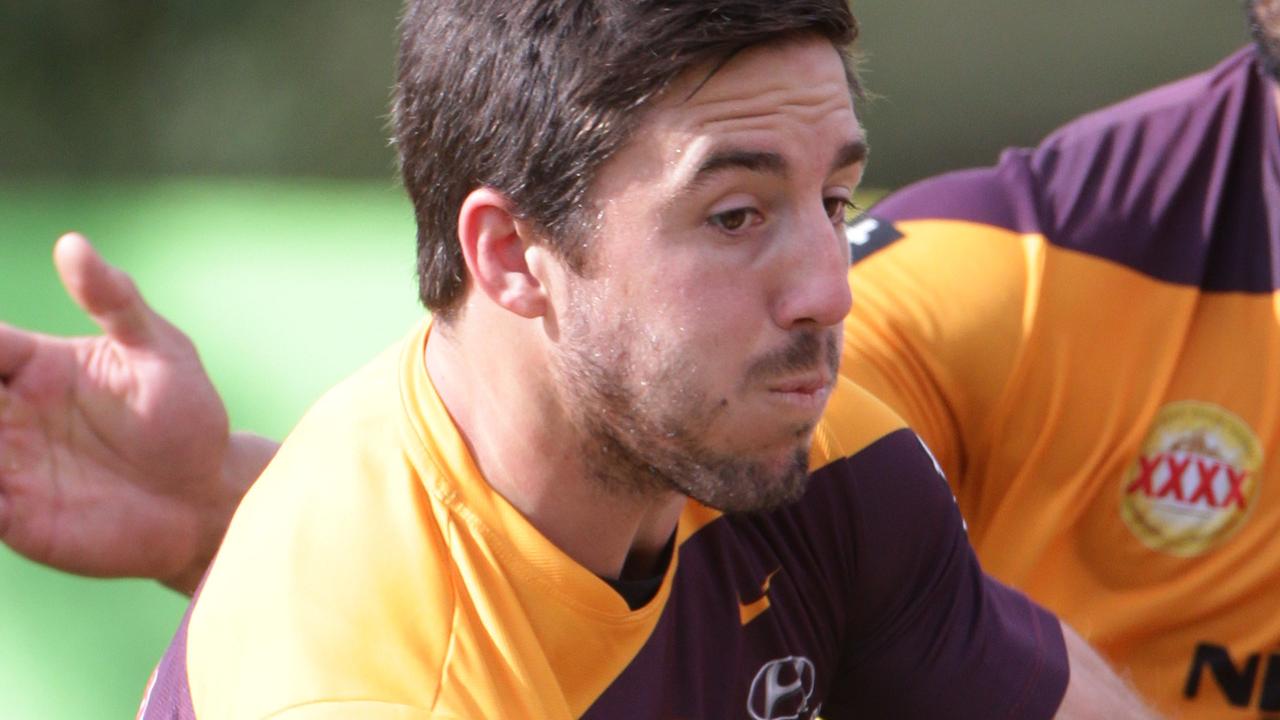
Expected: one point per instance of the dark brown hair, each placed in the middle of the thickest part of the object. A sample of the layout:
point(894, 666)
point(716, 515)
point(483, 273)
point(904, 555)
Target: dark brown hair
point(1264, 22)
point(530, 97)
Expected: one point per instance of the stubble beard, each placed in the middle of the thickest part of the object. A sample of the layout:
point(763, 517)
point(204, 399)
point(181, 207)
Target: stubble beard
point(641, 434)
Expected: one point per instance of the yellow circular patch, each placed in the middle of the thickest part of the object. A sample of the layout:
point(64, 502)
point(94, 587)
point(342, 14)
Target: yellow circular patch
point(1194, 481)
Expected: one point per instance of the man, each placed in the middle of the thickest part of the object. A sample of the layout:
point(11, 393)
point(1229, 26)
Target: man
point(595, 483)
point(494, 519)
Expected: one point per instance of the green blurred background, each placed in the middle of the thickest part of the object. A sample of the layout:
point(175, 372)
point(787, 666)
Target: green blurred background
point(233, 156)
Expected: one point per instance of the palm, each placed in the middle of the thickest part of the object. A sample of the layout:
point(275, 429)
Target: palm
point(110, 446)
point(103, 447)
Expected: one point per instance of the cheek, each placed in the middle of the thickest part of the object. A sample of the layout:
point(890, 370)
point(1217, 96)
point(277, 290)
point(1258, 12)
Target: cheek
point(713, 333)
point(717, 301)
point(697, 308)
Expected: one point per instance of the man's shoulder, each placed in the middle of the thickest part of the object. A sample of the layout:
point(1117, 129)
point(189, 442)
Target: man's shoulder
point(308, 600)
point(359, 436)
point(1170, 183)
point(1151, 183)
point(1184, 107)
point(335, 575)
point(999, 197)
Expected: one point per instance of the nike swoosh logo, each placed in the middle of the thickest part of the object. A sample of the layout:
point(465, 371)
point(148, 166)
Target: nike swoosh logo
point(752, 610)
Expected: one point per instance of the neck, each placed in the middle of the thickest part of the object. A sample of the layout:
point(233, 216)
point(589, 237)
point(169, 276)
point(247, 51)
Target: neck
point(489, 371)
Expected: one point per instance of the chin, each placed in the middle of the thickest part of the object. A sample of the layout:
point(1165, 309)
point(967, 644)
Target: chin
point(753, 485)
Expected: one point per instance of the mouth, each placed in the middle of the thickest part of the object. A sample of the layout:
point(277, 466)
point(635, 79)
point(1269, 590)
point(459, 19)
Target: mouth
point(799, 377)
point(810, 389)
point(807, 386)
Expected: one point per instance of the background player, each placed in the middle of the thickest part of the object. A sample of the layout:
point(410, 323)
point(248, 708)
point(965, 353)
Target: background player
point(1086, 337)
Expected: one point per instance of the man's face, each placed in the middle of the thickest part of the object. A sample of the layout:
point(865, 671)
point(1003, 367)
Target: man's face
point(1264, 16)
point(699, 347)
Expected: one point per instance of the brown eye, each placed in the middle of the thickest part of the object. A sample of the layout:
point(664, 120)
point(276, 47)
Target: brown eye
point(732, 220)
point(837, 208)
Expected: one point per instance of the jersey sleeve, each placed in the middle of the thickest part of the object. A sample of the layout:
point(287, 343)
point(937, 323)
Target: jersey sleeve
point(940, 279)
point(929, 634)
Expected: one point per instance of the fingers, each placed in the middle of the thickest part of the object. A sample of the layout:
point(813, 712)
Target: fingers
point(106, 293)
point(16, 348)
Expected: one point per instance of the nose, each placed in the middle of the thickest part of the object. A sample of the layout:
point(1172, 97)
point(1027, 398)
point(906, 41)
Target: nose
point(813, 279)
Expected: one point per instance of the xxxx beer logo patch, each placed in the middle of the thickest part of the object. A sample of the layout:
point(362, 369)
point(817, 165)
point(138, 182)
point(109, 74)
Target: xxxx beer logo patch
point(1194, 481)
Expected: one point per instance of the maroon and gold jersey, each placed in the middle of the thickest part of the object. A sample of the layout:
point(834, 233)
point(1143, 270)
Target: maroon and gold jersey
point(372, 573)
point(1086, 335)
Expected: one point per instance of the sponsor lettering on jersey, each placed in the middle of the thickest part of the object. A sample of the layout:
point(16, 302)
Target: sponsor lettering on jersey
point(1237, 683)
point(783, 690)
point(1194, 480)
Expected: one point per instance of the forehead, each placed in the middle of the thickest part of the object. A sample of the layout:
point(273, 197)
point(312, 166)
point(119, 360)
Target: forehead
point(789, 98)
point(801, 81)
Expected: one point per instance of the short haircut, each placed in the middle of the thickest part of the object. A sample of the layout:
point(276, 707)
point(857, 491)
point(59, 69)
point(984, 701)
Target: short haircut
point(530, 97)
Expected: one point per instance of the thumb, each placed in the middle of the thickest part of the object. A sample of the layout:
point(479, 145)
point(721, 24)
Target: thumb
point(106, 293)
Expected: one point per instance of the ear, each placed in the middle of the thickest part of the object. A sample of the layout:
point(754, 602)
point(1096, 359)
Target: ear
point(493, 244)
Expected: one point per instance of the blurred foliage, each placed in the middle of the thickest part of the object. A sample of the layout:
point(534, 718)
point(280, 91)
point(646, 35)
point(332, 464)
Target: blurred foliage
point(300, 87)
point(241, 87)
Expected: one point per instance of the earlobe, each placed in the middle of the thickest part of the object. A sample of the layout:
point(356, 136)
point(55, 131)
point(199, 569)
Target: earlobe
point(493, 244)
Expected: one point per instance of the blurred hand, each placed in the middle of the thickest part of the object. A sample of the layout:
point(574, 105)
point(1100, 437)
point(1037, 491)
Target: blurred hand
point(113, 449)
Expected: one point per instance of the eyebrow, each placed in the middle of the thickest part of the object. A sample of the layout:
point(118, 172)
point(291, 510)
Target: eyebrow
point(851, 153)
point(770, 163)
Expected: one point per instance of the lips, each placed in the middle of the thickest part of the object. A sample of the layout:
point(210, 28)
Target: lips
point(804, 385)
